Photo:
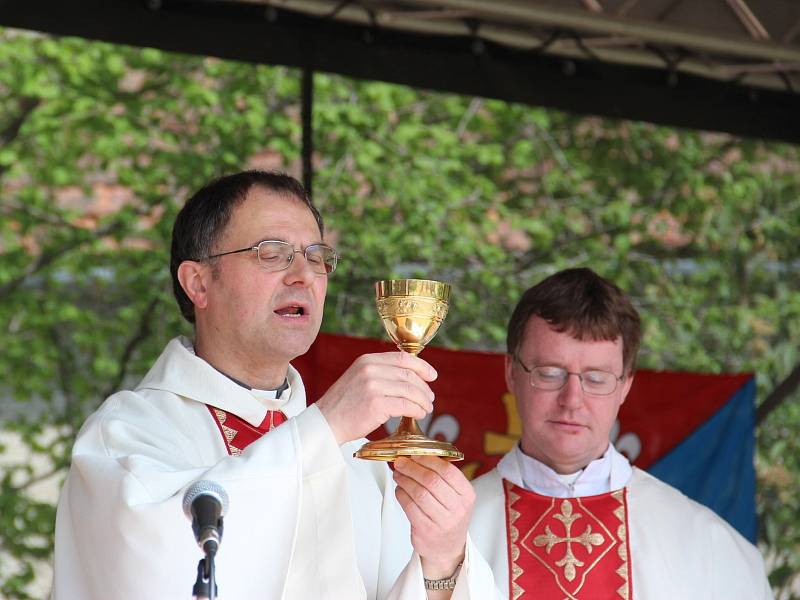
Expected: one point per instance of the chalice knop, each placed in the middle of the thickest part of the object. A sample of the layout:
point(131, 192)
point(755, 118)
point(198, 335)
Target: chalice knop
point(411, 311)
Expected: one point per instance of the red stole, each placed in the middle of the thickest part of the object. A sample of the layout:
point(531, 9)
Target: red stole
point(238, 433)
point(567, 548)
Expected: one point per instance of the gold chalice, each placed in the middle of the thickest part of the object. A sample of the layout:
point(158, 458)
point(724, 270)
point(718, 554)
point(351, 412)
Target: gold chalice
point(411, 311)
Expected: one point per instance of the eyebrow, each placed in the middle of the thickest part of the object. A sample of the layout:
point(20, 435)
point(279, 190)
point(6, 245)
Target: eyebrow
point(607, 368)
point(278, 239)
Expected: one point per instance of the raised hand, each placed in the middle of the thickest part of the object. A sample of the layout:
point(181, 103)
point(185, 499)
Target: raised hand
point(375, 388)
point(438, 500)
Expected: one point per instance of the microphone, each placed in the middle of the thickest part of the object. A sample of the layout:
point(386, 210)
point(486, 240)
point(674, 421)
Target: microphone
point(205, 503)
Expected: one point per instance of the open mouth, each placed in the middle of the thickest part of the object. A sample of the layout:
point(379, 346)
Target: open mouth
point(292, 310)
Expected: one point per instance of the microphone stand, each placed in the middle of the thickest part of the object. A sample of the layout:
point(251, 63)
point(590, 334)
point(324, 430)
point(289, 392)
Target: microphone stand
point(205, 587)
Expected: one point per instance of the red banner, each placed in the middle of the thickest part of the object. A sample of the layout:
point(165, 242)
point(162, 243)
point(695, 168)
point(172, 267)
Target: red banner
point(474, 410)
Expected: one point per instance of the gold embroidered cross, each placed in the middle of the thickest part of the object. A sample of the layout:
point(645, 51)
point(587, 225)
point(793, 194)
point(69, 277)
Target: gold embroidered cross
point(587, 539)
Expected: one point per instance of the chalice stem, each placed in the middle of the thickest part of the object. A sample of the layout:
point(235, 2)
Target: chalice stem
point(408, 426)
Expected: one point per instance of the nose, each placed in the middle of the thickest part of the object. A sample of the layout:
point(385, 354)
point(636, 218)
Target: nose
point(299, 271)
point(571, 395)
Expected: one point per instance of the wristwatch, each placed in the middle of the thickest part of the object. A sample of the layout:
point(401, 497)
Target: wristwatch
point(443, 584)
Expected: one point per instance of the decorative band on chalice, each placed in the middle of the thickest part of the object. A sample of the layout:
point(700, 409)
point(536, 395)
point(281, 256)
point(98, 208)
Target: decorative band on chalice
point(413, 287)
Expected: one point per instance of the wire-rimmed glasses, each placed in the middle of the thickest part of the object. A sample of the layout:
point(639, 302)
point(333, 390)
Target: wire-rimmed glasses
point(551, 378)
point(277, 255)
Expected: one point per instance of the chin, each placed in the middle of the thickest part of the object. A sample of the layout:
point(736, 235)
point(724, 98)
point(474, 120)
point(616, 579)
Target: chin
point(296, 348)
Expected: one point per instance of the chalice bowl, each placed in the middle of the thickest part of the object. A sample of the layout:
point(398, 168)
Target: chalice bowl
point(411, 311)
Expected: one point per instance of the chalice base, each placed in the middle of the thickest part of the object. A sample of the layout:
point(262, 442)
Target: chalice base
point(401, 443)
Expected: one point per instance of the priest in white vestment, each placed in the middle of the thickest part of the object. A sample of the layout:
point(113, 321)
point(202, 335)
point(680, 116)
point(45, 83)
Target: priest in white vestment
point(564, 515)
point(306, 520)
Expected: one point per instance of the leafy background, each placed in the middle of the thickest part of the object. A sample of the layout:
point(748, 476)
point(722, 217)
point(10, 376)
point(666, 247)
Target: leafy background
point(101, 144)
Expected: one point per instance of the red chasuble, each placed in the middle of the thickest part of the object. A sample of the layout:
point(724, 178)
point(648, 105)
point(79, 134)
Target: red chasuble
point(238, 433)
point(567, 548)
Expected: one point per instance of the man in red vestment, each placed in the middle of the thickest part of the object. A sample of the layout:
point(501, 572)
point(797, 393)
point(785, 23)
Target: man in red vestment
point(564, 515)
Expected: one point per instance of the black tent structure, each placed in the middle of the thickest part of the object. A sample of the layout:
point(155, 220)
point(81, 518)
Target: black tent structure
point(725, 65)
point(721, 65)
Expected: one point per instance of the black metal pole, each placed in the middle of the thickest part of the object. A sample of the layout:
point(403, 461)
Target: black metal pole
point(306, 112)
point(205, 587)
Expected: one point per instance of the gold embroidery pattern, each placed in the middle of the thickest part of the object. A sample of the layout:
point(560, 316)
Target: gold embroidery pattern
point(547, 529)
point(569, 562)
point(587, 539)
point(228, 432)
point(622, 549)
point(513, 537)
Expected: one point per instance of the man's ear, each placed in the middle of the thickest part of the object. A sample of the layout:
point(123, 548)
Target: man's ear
point(192, 277)
point(626, 386)
point(509, 378)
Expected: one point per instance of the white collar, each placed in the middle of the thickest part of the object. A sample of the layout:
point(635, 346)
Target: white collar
point(180, 371)
point(612, 471)
point(271, 399)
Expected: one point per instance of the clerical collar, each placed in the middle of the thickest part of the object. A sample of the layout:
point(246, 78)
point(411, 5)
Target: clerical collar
point(609, 472)
point(259, 394)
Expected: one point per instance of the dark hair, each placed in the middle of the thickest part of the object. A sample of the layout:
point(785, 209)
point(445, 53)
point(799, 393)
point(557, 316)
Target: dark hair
point(202, 220)
point(583, 304)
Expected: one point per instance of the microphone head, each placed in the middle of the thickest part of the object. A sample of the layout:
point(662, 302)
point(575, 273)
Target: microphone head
point(205, 487)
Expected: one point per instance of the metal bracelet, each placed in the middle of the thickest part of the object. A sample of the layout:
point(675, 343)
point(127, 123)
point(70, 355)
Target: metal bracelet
point(443, 584)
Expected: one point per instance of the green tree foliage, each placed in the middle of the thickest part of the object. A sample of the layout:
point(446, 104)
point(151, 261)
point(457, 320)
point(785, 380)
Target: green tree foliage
point(101, 144)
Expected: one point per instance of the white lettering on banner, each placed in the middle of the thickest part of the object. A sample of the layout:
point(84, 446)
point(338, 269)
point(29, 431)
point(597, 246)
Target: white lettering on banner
point(628, 444)
point(446, 426)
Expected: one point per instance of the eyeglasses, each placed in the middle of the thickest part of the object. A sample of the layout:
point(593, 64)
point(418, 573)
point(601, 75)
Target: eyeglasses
point(275, 255)
point(549, 378)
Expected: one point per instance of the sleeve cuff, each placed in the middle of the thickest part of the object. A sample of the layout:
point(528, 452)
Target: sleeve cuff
point(319, 448)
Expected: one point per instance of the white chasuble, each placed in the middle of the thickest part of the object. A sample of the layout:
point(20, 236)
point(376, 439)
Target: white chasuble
point(306, 520)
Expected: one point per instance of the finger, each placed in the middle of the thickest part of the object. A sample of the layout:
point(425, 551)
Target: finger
point(427, 470)
point(413, 377)
point(419, 394)
point(445, 481)
point(434, 497)
point(377, 367)
point(412, 504)
point(405, 360)
point(400, 360)
point(402, 407)
point(447, 471)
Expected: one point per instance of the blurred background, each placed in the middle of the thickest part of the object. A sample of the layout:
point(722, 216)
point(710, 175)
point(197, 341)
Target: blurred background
point(101, 144)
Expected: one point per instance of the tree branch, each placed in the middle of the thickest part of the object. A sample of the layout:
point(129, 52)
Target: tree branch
point(778, 395)
point(473, 108)
point(37, 478)
point(532, 258)
point(47, 217)
point(141, 334)
point(11, 131)
point(49, 256)
point(65, 366)
point(27, 105)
